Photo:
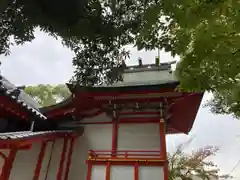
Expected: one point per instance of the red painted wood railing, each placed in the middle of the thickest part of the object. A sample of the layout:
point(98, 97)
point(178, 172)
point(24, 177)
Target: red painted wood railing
point(125, 154)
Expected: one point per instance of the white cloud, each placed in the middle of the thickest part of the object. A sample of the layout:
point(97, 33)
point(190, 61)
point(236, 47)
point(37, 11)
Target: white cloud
point(46, 61)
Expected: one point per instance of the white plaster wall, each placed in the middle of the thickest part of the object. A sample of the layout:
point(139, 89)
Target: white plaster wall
point(44, 169)
point(95, 137)
point(55, 160)
point(98, 173)
point(146, 76)
point(25, 163)
point(26, 160)
point(151, 172)
point(138, 137)
point(78, 168)
point(122, 172)
point(99, 137)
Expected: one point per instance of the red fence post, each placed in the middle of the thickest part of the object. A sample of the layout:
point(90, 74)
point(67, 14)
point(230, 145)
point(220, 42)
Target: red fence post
point(63, 155)
point(89, 171)
point(7, 167)
point(40, 160)
point(136, 173)
point(69, 158)
point(163, 147)
point(108, 168)
point(114, 137)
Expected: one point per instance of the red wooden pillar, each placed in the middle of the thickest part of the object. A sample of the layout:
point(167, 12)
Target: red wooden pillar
point(163, 148)
point(7, 167)
point(40, 160)
point(114, 137)
point(89, 171)
point(50, 159)
point(62, 160)
point(136, 172)
point(69, 158)
point(108, 168)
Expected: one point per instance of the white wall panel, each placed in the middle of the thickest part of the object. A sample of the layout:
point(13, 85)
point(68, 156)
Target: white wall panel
point(25, 163)
point(55, 160)
point(122, 173)
point(138, 137)
point(151, 172)
point(95, 137)
point(98, 173)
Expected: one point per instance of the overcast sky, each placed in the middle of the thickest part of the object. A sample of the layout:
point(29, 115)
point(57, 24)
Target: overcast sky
point(46, 61)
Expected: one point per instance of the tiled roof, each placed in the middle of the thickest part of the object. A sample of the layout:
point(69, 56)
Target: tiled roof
point(27, 134)
point(20, 97)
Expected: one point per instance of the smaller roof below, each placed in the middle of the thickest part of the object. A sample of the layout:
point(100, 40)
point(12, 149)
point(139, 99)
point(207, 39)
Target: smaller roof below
point(28, 134)
point(22, 95)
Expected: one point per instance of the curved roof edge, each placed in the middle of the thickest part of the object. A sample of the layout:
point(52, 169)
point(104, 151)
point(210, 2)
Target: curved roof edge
point(121, 88)
point(18, 96)
point(58, 105)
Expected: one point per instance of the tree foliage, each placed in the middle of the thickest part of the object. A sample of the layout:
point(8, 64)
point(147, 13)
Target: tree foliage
point(204, 33)
point(47, 95)
point(195, 165)
point(95, 30)
point(226, 101)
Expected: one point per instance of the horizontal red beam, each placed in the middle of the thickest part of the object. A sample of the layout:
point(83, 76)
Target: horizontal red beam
point(125, 121)
point(27, 141)
point(139, 119)
point(95, 151)
point(120, 156)
point(126, 163)
point(130, 92)
point(4, 146)
point(140, 113)
point(153, 159)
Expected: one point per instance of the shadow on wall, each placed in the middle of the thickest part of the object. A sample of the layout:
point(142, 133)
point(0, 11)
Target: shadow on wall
point(78, 169)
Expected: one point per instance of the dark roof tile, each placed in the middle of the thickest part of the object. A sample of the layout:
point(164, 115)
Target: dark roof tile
point(27, 134)
point(23, 99)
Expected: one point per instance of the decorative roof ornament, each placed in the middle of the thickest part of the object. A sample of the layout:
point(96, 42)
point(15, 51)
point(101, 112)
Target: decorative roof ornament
point(140, 63)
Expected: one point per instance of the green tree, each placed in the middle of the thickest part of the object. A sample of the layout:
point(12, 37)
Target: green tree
point(204, 33)
point(226, 101)
point(197, 164)
point(47, 95)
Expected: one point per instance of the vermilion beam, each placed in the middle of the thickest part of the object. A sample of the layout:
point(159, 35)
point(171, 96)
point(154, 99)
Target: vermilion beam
point(50, 159)
point(23, 143)
point(69, 158)
point(108, 171)
point(40, 160)
point(166, 91)
point(11, 145)
point(136, 173)
point(123, 151)
point(7, 167)
point(126, 163)
point(140, 113)
point(162, 139)
point(89, 171)
point(163, 147)
point(114, 138)
point(165, 170)
point(125, 121)
point(139, 119)
point(63, 155)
